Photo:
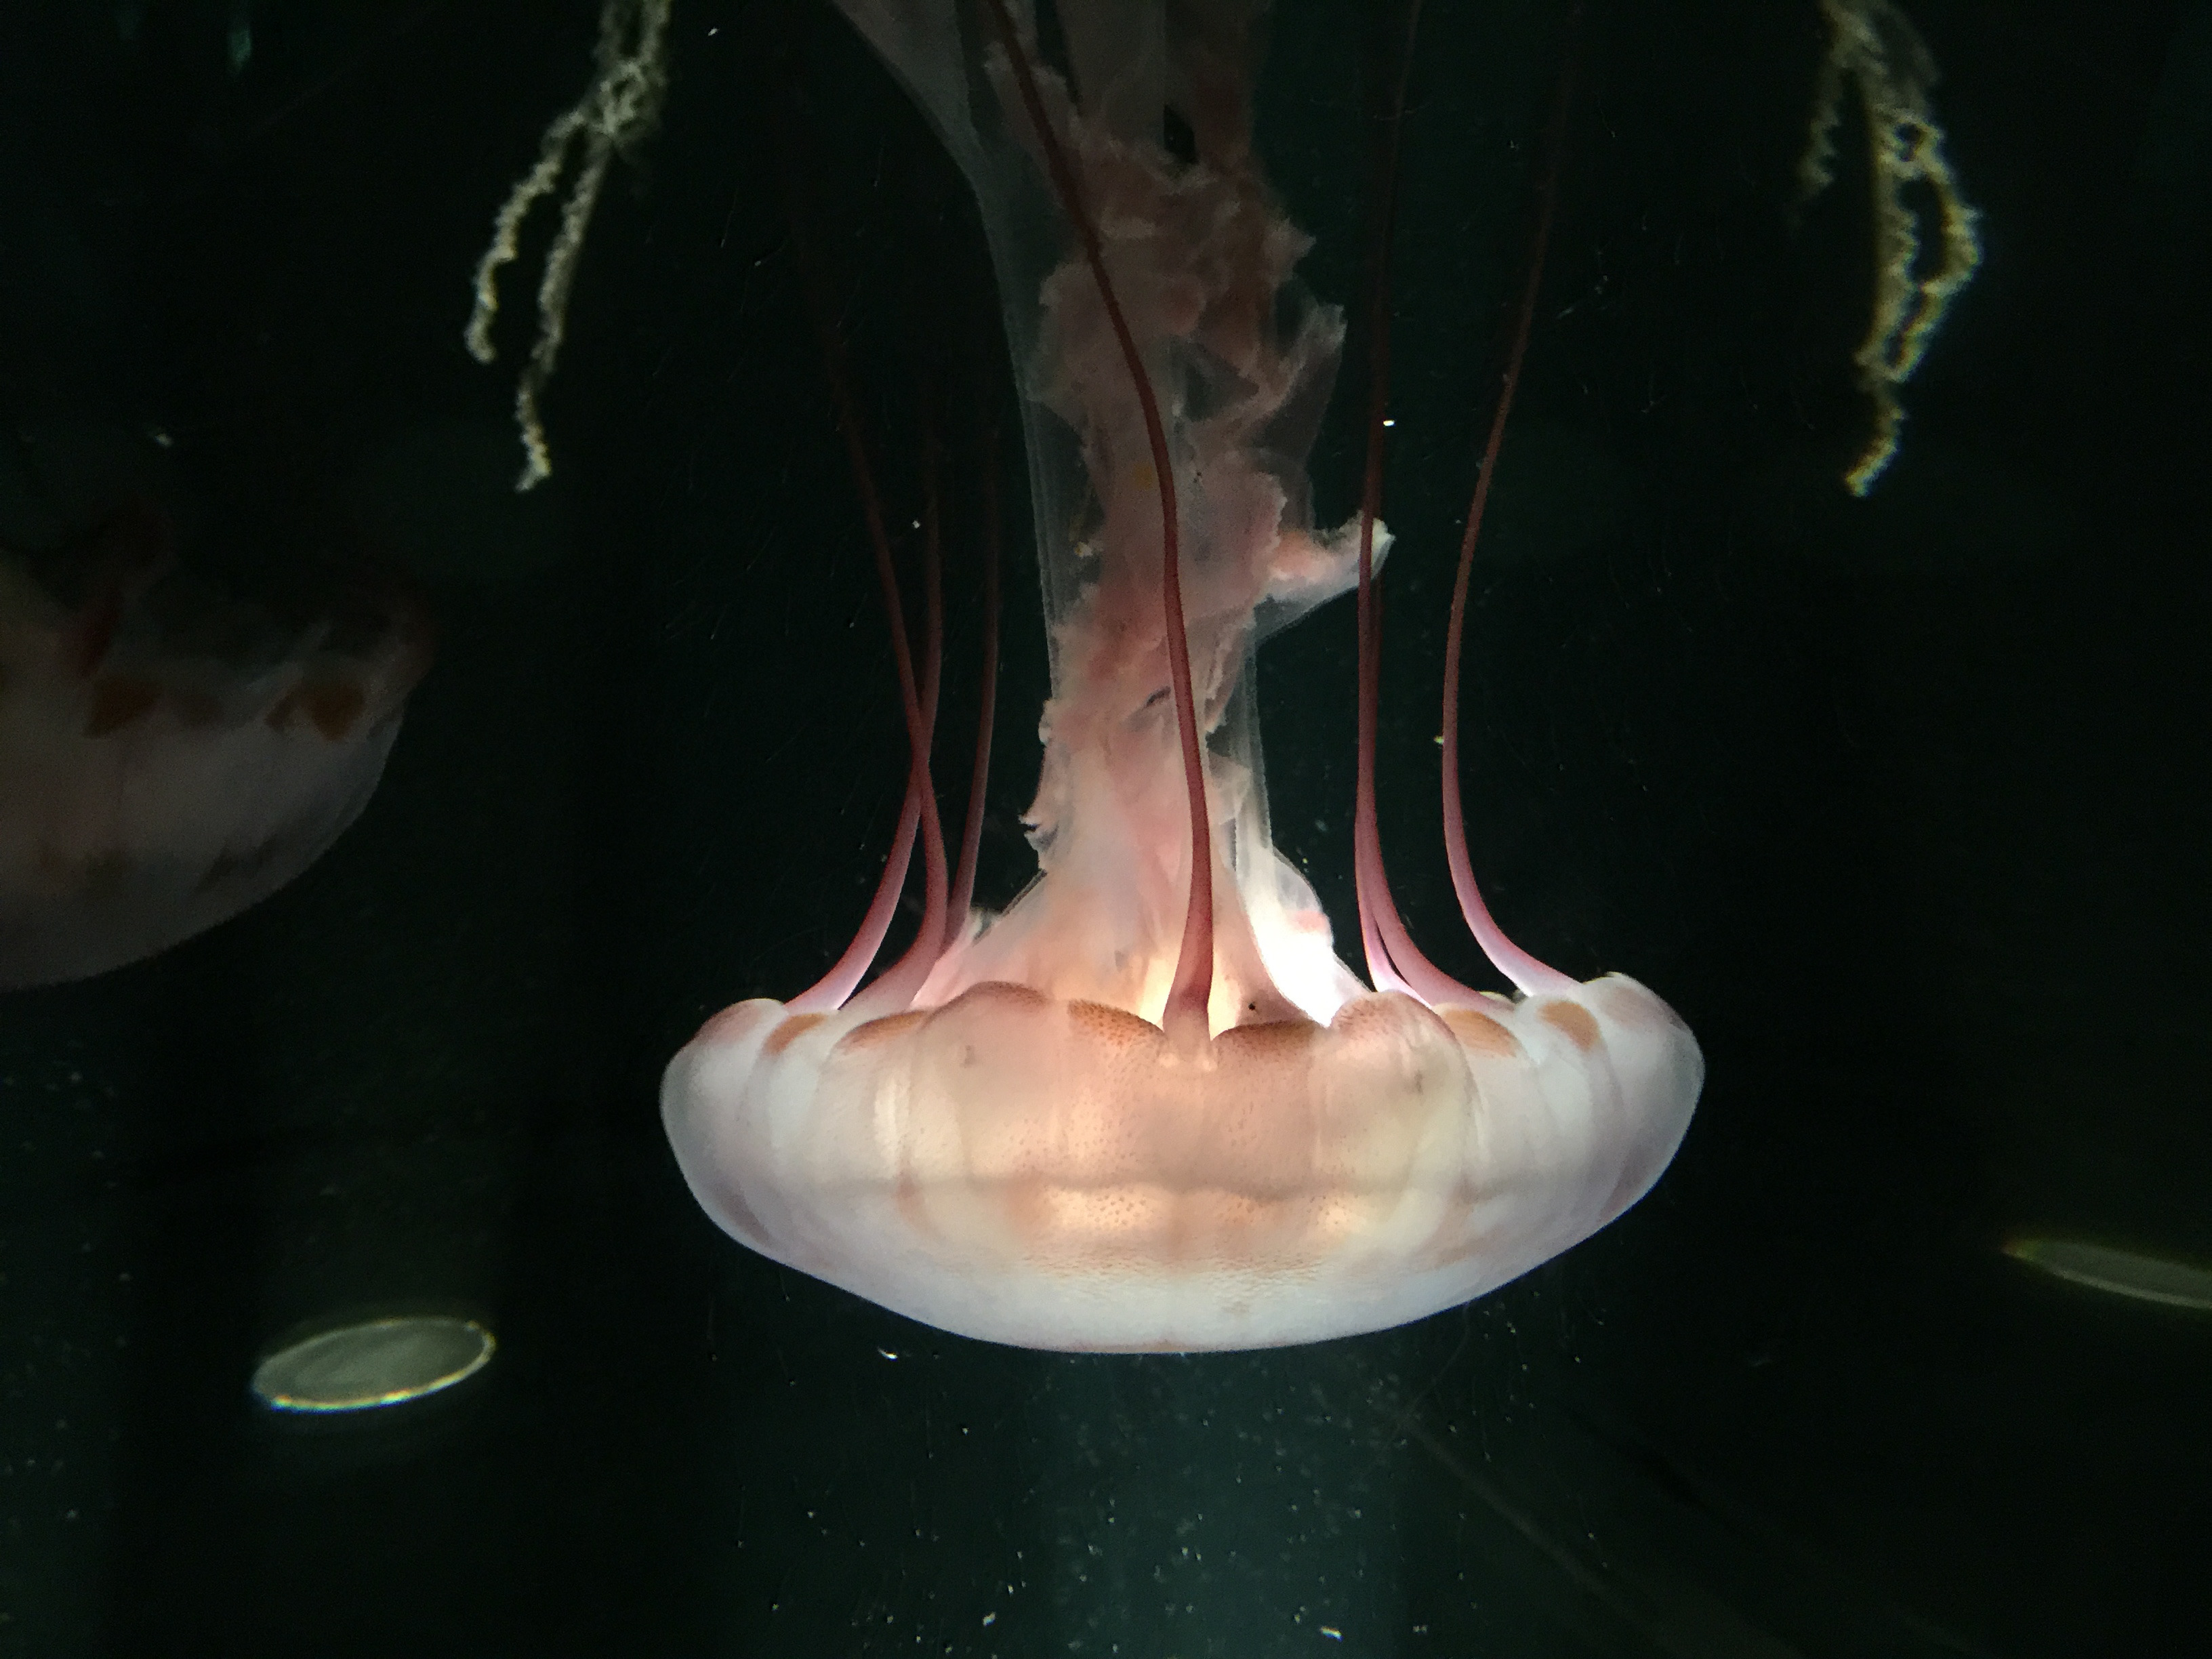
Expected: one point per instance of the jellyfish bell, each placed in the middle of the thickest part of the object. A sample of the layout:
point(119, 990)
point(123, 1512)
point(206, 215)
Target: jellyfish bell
point(1059, 1174)
point(169, 754)
point(1147, 1107)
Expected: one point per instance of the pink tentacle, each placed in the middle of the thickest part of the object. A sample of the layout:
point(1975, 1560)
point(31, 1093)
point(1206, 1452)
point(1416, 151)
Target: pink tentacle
point(1526, 971)
point(1394, 962)
point(894, 991)
point(971, 831)
point(831, 992)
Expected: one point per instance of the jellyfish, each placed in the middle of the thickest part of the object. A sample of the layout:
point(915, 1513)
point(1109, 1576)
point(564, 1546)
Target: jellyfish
point(1147, 1107)
point(171, 754)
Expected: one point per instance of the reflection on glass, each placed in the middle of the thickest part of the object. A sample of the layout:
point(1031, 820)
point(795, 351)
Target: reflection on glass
point(2107, 1267)
point(381, 1362)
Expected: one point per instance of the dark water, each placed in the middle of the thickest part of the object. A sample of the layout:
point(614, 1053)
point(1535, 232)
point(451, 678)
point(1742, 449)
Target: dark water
point(1900, 801)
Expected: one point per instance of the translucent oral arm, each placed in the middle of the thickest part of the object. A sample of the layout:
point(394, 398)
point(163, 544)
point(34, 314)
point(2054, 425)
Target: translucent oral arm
point(1193, 988)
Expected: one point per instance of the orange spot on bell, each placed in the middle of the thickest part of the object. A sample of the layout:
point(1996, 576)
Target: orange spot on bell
point(790, 1031)
point(1272, 1040)
point(1573, 1021)
point(117, 700)
point(333, 706)
point(876, 1033)
point(1111, 1026)
point(1479, 1034)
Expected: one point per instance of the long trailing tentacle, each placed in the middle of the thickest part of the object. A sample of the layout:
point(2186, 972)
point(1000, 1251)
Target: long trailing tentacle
point(1394, 962)
point(917, 698)
point(971, 831)
point(894, 989)
point(1527, 972)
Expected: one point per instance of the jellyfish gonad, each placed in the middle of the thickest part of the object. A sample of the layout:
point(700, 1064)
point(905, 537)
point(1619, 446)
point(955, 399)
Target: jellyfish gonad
point(1146, 1106)
point(170, 755)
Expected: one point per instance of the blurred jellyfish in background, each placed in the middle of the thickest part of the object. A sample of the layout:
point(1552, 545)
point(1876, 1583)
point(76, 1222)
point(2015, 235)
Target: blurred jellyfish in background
point(170, 753)
point(198, 683)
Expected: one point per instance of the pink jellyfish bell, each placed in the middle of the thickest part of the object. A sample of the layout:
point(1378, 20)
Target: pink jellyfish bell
point(168, 755)
point(1147, 1107)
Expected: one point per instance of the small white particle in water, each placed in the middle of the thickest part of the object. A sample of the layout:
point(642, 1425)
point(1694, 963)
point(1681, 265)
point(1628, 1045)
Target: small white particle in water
point(887, 1353)
point(990, 1619)
point(1389, 421)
